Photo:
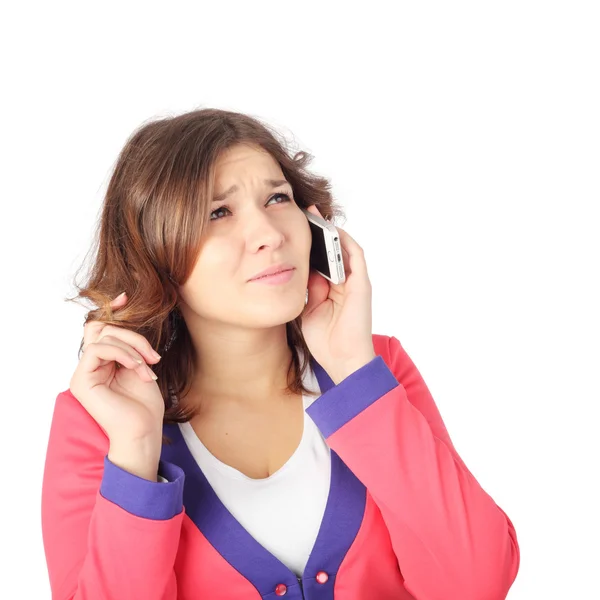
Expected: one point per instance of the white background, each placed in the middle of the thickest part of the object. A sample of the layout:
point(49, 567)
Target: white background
point(463, 140)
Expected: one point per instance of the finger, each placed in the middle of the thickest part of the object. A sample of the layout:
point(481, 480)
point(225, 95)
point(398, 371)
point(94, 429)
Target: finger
point(92, 329)
point(119, 301)
point(100, 354)
point(142, 368)
point(113, 349)
point(135, 340)
point(112, 339)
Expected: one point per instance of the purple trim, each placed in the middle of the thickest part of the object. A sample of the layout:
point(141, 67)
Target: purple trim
point(141, 497)
point(341, 522)
point(221, 528)
point(341, 403)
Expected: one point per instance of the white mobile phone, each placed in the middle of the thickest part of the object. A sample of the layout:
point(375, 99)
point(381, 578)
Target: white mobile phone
point(326, 249)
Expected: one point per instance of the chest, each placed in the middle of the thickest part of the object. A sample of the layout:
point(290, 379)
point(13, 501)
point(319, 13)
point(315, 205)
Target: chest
point(254, 441)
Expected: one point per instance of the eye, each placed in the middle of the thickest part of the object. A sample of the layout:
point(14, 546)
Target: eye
point(285, 198)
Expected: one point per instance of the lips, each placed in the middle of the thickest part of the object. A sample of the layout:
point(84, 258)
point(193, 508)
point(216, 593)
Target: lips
point(273, 270)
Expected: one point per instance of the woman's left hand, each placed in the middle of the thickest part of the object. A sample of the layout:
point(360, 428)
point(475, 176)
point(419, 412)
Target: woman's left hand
point(337, 320)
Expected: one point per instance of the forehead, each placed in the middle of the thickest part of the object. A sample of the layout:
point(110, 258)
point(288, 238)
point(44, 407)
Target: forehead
point(247, 162)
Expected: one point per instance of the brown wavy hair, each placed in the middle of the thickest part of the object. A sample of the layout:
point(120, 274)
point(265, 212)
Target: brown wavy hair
point(154, 215)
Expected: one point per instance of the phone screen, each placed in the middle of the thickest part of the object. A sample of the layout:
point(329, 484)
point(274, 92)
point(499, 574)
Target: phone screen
point(318, 252)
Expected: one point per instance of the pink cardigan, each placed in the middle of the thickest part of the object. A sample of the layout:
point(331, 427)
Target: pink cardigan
point(405, 518)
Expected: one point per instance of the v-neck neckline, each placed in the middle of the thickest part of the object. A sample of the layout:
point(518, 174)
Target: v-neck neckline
point(192, 438)
point(339, 526)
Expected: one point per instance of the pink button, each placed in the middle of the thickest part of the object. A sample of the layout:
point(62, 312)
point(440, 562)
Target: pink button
point(281, 589)
point(322, 577)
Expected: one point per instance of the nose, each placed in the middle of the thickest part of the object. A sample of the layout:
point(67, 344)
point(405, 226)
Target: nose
point(263, 231)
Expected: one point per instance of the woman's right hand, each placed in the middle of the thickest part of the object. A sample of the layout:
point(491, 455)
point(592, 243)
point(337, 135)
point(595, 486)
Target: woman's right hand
point(117, 388)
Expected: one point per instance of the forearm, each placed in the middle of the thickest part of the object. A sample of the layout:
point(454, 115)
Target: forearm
point(108, 531)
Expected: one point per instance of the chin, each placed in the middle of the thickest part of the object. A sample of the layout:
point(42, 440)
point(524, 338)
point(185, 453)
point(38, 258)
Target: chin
point(271, 314)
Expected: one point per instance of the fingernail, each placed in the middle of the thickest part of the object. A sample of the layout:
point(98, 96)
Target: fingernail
point(156, 355)
point(120, 295)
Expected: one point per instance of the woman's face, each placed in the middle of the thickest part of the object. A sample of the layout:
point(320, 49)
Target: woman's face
point(257, 226)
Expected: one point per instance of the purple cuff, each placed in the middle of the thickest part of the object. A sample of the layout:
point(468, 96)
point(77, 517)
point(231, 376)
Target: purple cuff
point(141, 497)
point(341, 403)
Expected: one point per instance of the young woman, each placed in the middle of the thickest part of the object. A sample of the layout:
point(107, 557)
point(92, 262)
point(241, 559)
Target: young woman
point(275, 446)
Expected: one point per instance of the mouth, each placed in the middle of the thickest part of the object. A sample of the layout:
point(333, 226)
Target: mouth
point(273, 270)
point(276, 278)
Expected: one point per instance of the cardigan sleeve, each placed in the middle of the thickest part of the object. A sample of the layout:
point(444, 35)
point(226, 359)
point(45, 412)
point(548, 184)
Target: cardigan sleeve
point(107, 533)
point(450, 538)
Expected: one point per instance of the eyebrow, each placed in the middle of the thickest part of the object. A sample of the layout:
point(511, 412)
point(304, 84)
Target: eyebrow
point(271, 182)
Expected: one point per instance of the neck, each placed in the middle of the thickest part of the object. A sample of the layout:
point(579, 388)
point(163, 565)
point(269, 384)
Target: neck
point(240, 365)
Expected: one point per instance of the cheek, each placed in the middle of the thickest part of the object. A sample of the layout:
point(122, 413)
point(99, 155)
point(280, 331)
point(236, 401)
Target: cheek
point(214, 270)
point(302, 233)
point(307, 241)
point(219, 255)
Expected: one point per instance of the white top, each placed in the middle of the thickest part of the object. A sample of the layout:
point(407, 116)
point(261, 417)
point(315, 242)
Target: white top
point(284, 511)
